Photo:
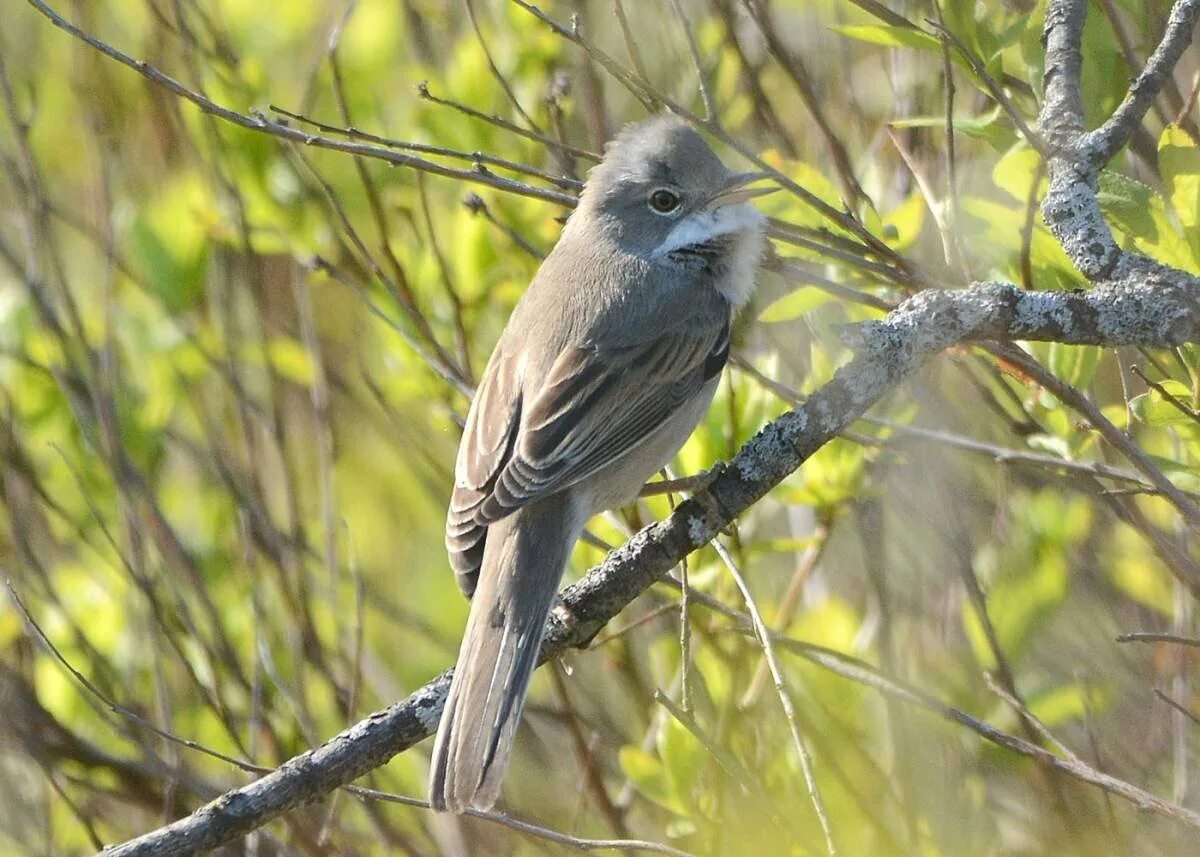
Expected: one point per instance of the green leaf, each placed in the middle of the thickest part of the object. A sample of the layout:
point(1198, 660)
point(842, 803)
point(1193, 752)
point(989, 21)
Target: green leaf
point(1065, 704)
point(814, 180)
point(1128, 204)
point(1144, 582)
point(1075, 364)
point(1014, 173)
point(649, 777)
point(906, 221)
point(831, 476)
point(170, 241)
point(1154, 409)
point(1179, 165)
point(1050, 444)
point(795, 304)
point(291, 360)
point(1012, 33)
point(1016, 604)
point(177, 279)
point(896, 37)
point(682, 759)
point(989, 128)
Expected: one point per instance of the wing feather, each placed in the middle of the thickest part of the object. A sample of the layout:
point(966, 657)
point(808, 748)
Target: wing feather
point(593, 407)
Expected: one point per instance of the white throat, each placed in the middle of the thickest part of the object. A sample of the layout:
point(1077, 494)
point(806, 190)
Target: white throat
point(742, 219)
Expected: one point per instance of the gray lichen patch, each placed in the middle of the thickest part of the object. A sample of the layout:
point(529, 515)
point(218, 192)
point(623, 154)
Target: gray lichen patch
point(1072, 213)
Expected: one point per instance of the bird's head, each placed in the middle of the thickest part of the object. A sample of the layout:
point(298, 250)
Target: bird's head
point(662, 194)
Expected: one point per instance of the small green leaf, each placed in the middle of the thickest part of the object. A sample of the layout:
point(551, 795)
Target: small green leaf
point(678, 828)
point(895, 37)
point(177, 280)
point(1012, 33)
point(1154, 409)
point(1050, 444)
point(1129, 205)
point(1017, 603)
point(1179, 165)
point(988, 128)
point(649, 777)
point(1014, 173)
point(1064, 704)
point(1144, 582)
point(795, 304)
point(906, 221)
point(1075, 364)
point(682, 759)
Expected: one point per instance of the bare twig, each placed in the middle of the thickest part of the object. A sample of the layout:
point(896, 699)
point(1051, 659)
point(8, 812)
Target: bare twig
point(796, 70)
point(1178, 706)
point(576, 842)
point(763, 633)
point(261, 123)
point(564, 182)
point(710, 107)
point(1154, 637)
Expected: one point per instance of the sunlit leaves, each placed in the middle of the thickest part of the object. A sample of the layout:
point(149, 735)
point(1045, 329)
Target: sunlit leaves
point(990, 127)
point(172, 238)
point(1179, 161)
point(902, 225)
point(795, 304)
point(1172, 403)
point(890, 36)
point(1030, 579)
point(1075, 364)
point(291, 360)
point(1016, 171)
point(831, 476)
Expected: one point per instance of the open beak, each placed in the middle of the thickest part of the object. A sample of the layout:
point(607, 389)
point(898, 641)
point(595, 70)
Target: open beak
point(735, 190)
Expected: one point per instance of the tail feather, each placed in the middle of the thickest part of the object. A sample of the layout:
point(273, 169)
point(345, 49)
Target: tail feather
point(522, 566)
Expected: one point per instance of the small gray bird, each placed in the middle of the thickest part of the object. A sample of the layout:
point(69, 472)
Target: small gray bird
point(607, 364)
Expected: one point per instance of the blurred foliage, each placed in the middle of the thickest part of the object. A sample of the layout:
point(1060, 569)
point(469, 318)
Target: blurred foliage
point(232, 371)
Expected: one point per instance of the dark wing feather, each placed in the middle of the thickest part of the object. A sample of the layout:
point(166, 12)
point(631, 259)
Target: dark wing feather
point(486, 447)
point(594, 406)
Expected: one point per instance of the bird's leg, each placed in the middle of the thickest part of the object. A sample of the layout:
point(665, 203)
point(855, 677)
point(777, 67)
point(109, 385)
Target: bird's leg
point(690, 484)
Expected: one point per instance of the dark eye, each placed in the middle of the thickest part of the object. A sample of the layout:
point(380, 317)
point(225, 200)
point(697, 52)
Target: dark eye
point(664, 201)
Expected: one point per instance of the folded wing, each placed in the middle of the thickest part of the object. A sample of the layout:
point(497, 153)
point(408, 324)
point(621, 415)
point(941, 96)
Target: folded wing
point(593, 407)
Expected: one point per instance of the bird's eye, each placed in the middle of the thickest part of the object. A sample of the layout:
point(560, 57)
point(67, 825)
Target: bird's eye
point(664, 201)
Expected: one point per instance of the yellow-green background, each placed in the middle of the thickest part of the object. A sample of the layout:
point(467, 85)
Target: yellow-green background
point(219, 418)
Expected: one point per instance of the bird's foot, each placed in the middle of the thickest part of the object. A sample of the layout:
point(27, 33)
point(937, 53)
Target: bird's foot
point(690, 484)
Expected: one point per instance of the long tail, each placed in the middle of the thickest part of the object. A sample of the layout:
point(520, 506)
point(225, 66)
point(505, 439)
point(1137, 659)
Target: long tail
point(522, 565)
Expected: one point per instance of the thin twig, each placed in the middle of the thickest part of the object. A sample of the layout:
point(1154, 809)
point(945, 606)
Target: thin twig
point(1155, 637)
point(576, 842)
point(710, 107)
point(994, 89)
point(765, 640)
point(564, 182)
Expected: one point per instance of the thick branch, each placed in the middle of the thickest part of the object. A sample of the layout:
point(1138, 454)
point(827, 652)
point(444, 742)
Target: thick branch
point(1062, 111)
